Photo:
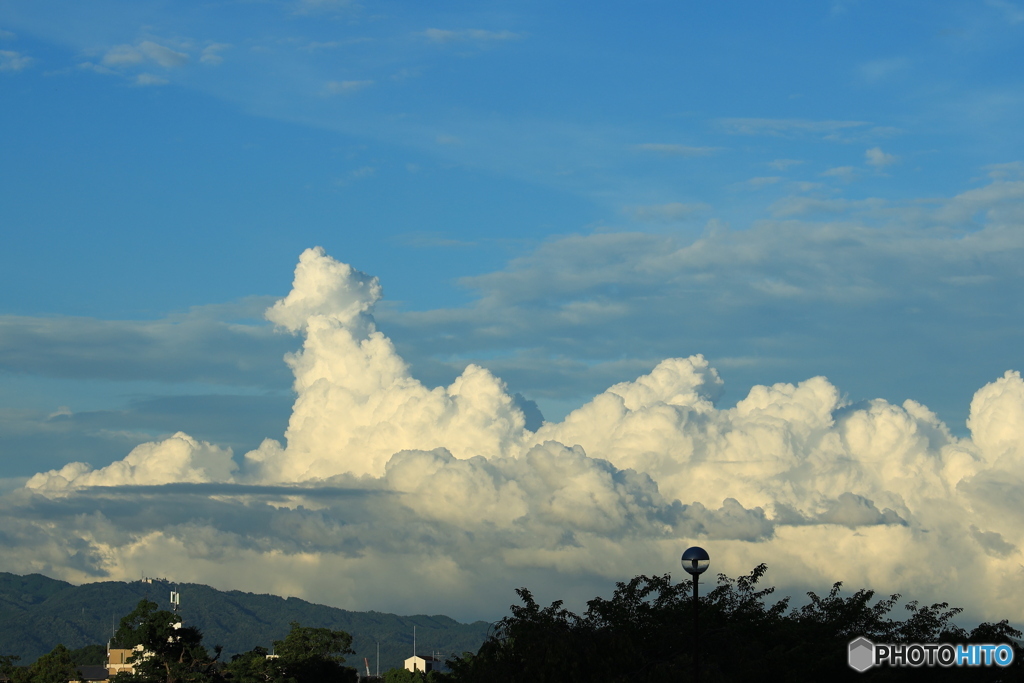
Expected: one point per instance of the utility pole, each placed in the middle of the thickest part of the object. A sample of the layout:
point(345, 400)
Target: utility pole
point(695, 561)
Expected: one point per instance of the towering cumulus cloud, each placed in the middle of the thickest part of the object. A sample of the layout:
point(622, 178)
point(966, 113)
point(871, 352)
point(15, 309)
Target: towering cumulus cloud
point(385, 494)
point(357, 404)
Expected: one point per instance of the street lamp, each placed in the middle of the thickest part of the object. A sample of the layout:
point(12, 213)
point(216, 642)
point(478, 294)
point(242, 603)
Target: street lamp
point(695, 561)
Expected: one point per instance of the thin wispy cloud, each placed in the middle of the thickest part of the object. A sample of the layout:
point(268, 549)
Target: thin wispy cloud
point(345, 87)
point(1013, 169)
point(676, 150)
point(145, 51)
point(1012, 12)
point(356, 174)
point(150, 79)
point(846, 173)
point(431, 240)
point(315, 7)
point(674, 211)
point(97, 68)
point(764, 181)
point(317, 46)
point(783, 164)
point(211, 54)
point(787, 127)
point(445, 139)
point(215, 347)
point(470, 35)
point(880, 70)
point(13, 61)
point(879, 159)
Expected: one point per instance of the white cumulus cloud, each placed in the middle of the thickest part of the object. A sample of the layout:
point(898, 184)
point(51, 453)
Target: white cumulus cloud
point(179, 458)
point(378, 473)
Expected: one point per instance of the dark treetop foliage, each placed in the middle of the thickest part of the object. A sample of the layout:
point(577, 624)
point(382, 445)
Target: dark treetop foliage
point(306, 655)
point(171, 653)
point(397, 675)
point(644, 633)
point(56, 667)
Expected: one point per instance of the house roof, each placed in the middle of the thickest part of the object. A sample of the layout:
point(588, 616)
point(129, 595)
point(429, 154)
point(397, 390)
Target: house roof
point(93, 673)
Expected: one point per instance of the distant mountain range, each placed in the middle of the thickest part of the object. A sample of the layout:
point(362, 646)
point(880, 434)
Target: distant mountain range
point(37, 613)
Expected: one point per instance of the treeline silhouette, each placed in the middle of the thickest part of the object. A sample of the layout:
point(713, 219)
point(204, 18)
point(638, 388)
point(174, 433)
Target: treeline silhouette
point(644, 633)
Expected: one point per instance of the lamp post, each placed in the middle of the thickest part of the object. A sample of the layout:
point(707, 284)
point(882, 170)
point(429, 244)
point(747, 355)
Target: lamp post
point(695, 561)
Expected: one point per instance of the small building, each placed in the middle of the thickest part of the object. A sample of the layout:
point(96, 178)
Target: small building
point(424, 663)
point(117, 659)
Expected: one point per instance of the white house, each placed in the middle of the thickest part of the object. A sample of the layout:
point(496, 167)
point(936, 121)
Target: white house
point(423, 663)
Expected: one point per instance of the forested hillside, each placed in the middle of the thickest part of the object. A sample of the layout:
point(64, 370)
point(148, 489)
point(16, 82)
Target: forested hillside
point(37, 612)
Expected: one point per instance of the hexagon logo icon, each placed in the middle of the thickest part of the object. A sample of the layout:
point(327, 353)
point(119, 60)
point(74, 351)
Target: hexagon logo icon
point(861, 654)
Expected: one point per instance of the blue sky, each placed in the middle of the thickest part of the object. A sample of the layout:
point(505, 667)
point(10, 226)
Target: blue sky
point(566, 194)
point(162, 157)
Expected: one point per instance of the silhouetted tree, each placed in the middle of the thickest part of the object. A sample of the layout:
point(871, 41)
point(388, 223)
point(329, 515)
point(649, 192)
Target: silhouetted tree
point(311, 655)
point(400, 675)
point(254, 667)
point(171, 653)
point(8, 666)
point(55, 667)
point(644, 633)
point(306, 655)
point(90, 655)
